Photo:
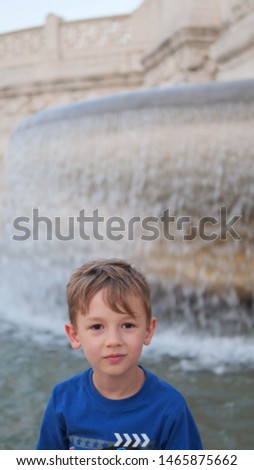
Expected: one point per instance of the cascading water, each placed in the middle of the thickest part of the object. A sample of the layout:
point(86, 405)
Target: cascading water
point(186, 150)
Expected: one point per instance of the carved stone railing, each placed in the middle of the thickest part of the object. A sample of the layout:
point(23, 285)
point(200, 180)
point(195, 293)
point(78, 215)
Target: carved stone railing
point(93, 35)
point(65, 39)
point(20, 45)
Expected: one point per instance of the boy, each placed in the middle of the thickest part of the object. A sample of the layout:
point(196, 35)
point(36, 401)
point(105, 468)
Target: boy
point(117, 403)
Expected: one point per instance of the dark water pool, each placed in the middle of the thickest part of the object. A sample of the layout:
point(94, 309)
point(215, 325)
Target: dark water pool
point(223, 404)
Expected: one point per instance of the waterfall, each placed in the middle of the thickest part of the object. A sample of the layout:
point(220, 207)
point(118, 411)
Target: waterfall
point(161, 172)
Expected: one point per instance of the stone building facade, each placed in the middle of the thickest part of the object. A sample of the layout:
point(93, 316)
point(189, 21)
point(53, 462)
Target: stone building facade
point(162, 42)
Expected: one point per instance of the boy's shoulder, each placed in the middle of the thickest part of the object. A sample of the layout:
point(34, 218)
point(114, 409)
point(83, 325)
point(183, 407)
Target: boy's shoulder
point(166, 401)
point(163, 390)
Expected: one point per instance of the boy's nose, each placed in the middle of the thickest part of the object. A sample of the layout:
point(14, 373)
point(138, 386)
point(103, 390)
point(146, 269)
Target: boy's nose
point(113, 337)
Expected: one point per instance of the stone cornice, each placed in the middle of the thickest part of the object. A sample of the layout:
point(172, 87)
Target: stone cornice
point(133, 79)
point(183, 37)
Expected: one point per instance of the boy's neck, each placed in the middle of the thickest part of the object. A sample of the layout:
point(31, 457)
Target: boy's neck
point(119, 387)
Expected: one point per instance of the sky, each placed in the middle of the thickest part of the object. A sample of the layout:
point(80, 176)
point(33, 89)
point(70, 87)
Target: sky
point(21, 14)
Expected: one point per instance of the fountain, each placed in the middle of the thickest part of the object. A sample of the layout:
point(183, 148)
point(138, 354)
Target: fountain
point(163, 177)
point(136, 159)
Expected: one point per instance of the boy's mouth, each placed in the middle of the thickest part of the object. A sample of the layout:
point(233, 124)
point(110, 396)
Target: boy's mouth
point(114, 358)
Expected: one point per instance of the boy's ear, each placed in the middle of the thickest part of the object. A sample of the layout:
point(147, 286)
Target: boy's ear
point(72, 335)
point(150, 331)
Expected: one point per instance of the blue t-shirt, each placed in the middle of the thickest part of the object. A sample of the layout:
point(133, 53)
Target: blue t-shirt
point(79, 417)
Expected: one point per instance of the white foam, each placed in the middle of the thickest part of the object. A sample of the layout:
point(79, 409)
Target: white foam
point(200, 351)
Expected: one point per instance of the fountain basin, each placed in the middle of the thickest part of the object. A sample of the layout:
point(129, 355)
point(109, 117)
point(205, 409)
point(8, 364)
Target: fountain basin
point(187, 150)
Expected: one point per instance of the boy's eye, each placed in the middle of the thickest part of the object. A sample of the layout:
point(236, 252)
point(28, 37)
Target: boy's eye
point(97, 326)
point(128, 325)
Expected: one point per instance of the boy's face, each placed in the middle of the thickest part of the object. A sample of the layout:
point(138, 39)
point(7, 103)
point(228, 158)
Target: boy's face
point(112, 342)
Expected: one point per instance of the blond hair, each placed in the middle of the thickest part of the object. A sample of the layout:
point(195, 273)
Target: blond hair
point(120, 281)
